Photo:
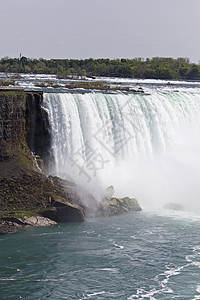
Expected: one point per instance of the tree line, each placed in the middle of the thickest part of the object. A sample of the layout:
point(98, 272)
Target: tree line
point(155, 68)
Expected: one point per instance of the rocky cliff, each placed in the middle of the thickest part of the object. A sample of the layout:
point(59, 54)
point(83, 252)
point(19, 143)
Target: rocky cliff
point(12, 122)
point(24, 189)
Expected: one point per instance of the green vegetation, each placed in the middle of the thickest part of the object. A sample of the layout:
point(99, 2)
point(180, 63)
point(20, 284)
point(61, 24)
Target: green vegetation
point(14, 93)
point(18, 214)
point(155, 68)
point(7, 82)
point(97, 85)
point(47, 83)
point(88, 85)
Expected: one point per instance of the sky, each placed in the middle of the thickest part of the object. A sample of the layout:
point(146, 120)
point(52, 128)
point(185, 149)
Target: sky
point(100, 28)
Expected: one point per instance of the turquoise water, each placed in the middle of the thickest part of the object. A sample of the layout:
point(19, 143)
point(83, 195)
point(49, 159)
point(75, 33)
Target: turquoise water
point(134, 256)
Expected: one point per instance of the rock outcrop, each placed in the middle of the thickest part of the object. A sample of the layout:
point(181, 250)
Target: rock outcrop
point(111, 205)
point(116, 206)
point(10, 225)
point(37, 133)
point(25, 191)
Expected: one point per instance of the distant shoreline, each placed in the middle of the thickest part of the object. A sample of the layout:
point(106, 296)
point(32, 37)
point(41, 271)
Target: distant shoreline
point(138, 68)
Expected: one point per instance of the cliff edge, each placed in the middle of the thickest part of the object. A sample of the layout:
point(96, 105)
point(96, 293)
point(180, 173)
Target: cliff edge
point(25, 191)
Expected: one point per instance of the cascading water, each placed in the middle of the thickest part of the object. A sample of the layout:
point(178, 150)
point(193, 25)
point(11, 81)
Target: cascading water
point(146, 145)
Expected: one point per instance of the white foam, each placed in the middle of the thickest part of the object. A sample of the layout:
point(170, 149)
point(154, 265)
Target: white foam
point(88, 296)
point(198, 289)
point(194, 259)
point(161, 286)
point(113, 270)
point(197, 297)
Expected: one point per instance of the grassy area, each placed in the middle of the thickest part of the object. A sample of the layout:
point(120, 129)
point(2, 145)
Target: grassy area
point(88, 85)
point(7, 82)
point(18, 214)
point(8, 92)
point(47, 83)
point(99, 85)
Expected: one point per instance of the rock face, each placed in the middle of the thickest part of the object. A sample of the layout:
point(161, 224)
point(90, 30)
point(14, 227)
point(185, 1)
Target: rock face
point(38, 135)
point(12, 122)
point(23, 124)
point(24, 189)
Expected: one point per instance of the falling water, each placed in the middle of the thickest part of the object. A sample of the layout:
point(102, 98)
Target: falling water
point(146, 145)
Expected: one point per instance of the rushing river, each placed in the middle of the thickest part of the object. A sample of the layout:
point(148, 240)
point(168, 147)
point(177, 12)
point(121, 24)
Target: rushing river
point(144, 255)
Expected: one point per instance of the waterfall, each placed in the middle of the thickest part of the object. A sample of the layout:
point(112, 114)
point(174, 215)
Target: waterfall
point(146, 145)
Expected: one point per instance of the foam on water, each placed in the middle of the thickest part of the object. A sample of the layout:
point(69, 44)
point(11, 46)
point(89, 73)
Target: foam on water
point(132, 256)
point(162, 280)
point(88, 296)
point(197, 297)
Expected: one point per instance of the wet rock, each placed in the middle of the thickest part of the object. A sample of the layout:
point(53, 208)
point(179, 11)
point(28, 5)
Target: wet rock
point(110, 192)
point(11, 225)
point(38, 221)
point(116, 206)
point(7, 226)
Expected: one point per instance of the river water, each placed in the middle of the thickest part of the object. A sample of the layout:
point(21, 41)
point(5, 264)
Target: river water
point(145, 255)
point(147, 145)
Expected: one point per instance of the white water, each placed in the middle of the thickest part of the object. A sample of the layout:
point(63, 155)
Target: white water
point(146, 146)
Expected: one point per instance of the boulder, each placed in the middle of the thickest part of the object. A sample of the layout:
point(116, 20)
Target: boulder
point(116, 206)
point(11, 225)
point(38, 221)
point(110, 192)
point(65, 212)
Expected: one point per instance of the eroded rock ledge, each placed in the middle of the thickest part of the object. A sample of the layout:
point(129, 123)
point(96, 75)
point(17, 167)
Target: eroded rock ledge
point(10, 225)
point(28, 193)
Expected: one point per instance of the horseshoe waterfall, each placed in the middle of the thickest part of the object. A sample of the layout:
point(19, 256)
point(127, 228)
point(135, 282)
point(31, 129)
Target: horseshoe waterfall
point(145, 145)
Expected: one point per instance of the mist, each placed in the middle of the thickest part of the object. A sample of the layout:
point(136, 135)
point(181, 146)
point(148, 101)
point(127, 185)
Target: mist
point(146, 146)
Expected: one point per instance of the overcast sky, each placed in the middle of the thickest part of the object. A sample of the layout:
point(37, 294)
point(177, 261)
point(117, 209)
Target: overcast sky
point(100, 28)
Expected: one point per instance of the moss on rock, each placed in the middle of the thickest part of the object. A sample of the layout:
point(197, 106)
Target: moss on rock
point(24, 189)
point(116, 206)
